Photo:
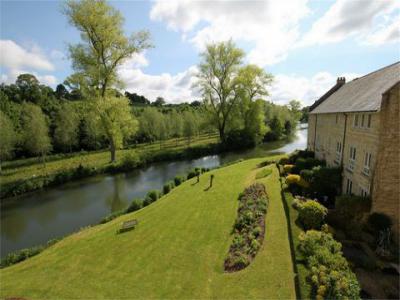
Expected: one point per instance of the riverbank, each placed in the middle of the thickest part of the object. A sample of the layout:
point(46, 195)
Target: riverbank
point(176, 251)
point(19, 177)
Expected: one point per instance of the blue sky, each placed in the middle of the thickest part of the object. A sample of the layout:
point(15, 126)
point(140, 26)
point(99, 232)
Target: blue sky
point(304, 44)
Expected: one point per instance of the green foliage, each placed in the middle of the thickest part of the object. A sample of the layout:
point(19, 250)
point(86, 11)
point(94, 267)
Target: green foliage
point(312, 214)
point(7, 137)
point(135, 205)
point(153, 195)
point(306, 164)
point(112, 216)
point(264, 173)
point(21, 255)
point(67, 126)
point(179, 179)
point(104, 46)
point(352, 207)
point(168, 187)
point(326, 181)
point(379, 221)
point(35, 136)
point(330, 275)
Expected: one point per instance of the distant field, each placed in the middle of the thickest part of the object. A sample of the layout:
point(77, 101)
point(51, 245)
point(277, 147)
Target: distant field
point(176, 251)
point(27, 168)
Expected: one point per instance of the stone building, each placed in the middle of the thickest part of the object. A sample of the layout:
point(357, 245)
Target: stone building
point(355, 125)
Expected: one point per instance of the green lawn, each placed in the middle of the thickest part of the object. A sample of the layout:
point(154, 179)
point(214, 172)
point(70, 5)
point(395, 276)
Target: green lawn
point(177, 250)
point(24, 169)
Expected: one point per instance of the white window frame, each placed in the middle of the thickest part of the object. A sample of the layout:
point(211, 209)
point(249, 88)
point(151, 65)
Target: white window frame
point(364, 192)
point(367, 163)
point(352, 158)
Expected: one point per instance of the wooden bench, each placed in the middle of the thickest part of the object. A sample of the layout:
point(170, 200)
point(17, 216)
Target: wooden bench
point(128, 225)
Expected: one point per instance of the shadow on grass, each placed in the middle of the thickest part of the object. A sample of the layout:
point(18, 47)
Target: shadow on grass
point(292, 247)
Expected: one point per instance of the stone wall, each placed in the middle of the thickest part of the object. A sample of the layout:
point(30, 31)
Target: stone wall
point(386, 193)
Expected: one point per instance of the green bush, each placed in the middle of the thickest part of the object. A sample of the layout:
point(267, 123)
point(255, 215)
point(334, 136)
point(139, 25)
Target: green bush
point(330, 273)
point(306, 164)
point(307, 175)
point(326, 182)
point(168, 187)
point(18, 256)
point(312, 214)
point(135, 205)
point(352, 207)
point(153, 195)
point(178, 180)
point(130, 161)
point(112, 216)
point(379, 222)
point(191, 174)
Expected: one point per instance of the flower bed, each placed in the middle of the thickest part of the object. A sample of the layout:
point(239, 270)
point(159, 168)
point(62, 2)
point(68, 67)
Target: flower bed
point(249, 228)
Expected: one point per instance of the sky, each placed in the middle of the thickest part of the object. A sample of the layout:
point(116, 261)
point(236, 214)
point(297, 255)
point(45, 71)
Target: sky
point(304, 44)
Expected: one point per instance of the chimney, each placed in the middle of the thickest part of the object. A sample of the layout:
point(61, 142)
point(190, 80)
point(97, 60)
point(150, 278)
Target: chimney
point(341, 81)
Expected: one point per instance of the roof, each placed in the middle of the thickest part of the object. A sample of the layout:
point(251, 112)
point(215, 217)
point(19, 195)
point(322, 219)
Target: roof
point(361, 94)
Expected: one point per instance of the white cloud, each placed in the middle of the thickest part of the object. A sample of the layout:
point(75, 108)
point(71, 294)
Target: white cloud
point(385, 34)
point(271, 26)
point(17, 60)
point(174, 88)
point(304, 89)
point(13, 56)
point(349, 18)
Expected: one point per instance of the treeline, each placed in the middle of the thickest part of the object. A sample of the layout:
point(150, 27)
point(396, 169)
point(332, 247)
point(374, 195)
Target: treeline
point(87, 112)
point(36, 120)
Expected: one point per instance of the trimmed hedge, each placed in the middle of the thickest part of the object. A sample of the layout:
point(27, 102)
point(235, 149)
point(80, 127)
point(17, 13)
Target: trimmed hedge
point(312, 214)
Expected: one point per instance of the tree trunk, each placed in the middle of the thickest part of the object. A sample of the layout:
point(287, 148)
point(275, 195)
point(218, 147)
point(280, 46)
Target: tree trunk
point(112, 151)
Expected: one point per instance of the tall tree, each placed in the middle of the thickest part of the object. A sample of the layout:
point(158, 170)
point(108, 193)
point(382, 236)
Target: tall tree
point(217, 81)
point(115, 118)
point(67, 126)
point(104, 46)
point(35, 130)
point(7, 137)
point(190, 125)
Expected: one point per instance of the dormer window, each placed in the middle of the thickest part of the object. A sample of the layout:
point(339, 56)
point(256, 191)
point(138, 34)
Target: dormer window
point(369, 121)
point(362, 120)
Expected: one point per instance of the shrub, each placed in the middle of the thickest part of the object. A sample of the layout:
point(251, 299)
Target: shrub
point(130, 161)
point(112, 216)
point(168, 187)
point(307, 175)
point(330, 274)
point(191, 174)
point(297, 203)
point(352, 207)
point(326, 181)
point(306, 164)
point(18, 256)
point(178, 180)
point(379, 222)
point(284, 161)
point(288, 168)
point(153, 195)
point(312, 214)
point(135, 205)
point(292, 179)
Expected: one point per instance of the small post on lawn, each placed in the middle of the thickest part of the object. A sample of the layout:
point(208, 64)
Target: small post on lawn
point(211, 180)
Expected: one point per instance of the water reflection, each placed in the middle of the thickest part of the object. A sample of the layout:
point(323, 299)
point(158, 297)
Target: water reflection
point(35, 218)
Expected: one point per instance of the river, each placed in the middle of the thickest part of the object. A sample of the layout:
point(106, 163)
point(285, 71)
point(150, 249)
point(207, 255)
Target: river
point(35, 218)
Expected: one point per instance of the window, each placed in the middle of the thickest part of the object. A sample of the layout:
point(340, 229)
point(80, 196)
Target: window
point(364, 192)
point(337, 118)
point(367, 163)
point(338, 152)
point(353, 153)
point(356, 120)
point(352, 159)
point(349, 186)
point(362, 120)
point(369, 121)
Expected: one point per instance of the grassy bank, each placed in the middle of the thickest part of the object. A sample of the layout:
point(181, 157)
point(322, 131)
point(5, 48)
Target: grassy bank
point(176, 251)
point(33, 174)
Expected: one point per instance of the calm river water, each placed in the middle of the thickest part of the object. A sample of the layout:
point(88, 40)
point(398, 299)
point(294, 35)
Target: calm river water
point(35, 218)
